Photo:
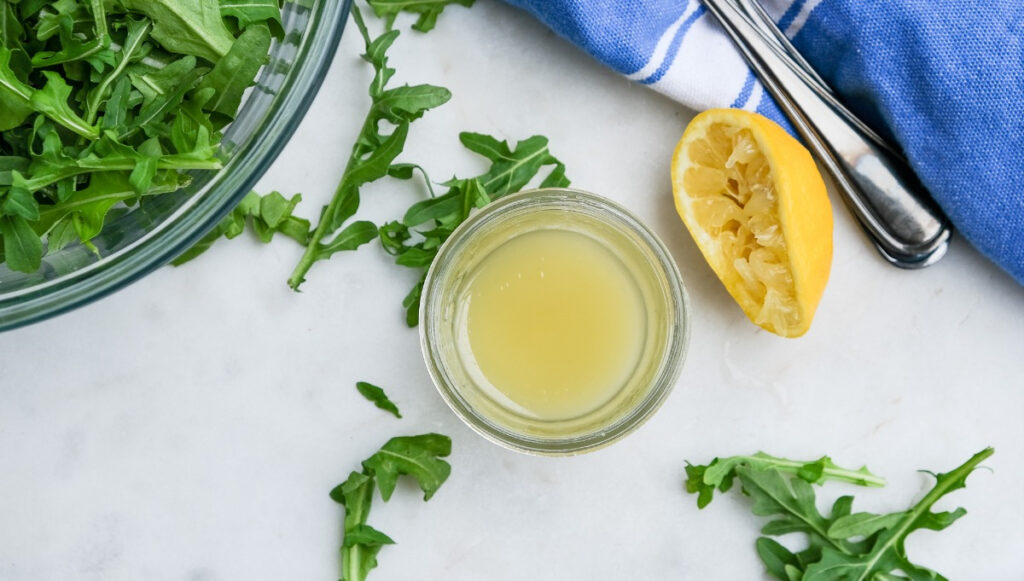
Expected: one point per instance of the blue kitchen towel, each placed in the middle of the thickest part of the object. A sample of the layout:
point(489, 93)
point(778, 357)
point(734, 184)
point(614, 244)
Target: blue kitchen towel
point(943, 78)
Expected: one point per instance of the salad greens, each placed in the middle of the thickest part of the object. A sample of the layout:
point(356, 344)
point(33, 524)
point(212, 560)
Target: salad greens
point(372, 154)
point(417, 456)
point(377, 396)
point(109, 102)
point(843, 546)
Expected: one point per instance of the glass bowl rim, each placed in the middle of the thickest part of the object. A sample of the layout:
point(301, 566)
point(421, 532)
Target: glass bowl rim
point(637, 414)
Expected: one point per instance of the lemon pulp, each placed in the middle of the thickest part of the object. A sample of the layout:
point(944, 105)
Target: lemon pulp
point(555, 322)
point(757, 207)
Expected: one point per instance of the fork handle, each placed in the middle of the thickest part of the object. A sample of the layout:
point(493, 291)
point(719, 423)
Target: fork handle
point(876, 182)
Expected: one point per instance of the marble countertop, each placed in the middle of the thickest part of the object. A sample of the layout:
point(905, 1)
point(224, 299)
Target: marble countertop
point(191, 425)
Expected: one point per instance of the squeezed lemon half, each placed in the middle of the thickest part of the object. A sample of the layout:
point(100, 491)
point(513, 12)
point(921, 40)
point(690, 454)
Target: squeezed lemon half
point(755, 203)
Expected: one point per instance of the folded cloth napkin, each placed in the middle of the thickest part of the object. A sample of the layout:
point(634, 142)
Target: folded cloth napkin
point(942, 78)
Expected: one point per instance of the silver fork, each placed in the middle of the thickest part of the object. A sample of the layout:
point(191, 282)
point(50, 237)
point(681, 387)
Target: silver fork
point(875, 180)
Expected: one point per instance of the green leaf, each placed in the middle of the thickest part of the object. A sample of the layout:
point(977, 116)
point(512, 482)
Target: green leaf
point(427, 10)
point(108, 154)
point(416, 257)
point(352, 237)
point(10, 164)
point(373, 153)
point(862, 524)
point(189, 27)
point(18, 201)
point(89, 207)
point(703, 480)
point(356, 494)
point(378, 397)
point(15, 105)
point(408, 103)
point(18, 100)
point(411, 302)
point(23, 249)
point(116, 111)
point(163, 91)
point(267, 215)
point(776, 558)
point(888, 551)
point(236, 72)
point(73, 48)
point(367, 536)
point(844, 546)
point(249, 12)
point(511, 169)
point(11, 30)
point(416, 456)
point(52, 101)
point(133, 48)
point(791, 500)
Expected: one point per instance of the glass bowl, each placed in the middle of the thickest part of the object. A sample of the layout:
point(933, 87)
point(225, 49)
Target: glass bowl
point(444, 327)
point(137, 241)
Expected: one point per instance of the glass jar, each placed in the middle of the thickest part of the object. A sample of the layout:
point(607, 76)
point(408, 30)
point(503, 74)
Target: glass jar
point(444, 307)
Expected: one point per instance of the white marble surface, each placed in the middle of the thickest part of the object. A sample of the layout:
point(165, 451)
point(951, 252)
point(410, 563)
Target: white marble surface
point(190, 426)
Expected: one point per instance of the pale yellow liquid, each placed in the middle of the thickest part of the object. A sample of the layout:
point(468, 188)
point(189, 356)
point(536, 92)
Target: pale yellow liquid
point(556, 322)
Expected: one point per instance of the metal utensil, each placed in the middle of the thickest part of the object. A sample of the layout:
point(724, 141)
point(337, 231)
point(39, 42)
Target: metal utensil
point(875, 180)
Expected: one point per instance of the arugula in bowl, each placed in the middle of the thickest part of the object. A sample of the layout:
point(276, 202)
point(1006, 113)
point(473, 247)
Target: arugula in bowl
point(107, 102)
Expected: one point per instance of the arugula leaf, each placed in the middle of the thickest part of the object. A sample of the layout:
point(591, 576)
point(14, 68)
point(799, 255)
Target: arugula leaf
point(234, 73)
point(703, 480)
point(428, 10)
point(373, 151)
point(189, 27)
point(96, 50)
point(416, 456)
point(21, 100)
point(249, 12)
point(378, 397)
point(90, 206)
point(267, 215)
point(133, 48)
point(888, 551)
point(15, 104)
point(23, 249)
point(356, 495)
point(843, 546)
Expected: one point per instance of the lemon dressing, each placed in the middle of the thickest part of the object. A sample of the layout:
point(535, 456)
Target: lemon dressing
point(554, 322)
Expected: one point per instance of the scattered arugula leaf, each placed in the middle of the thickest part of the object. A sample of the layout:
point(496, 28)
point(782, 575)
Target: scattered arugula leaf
point(720, 473)
point(417, 456)
point(373, 152)
point(267, 215)
point(844, 546)
point(377, 396)
point(428, 10)
point(96, 96)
